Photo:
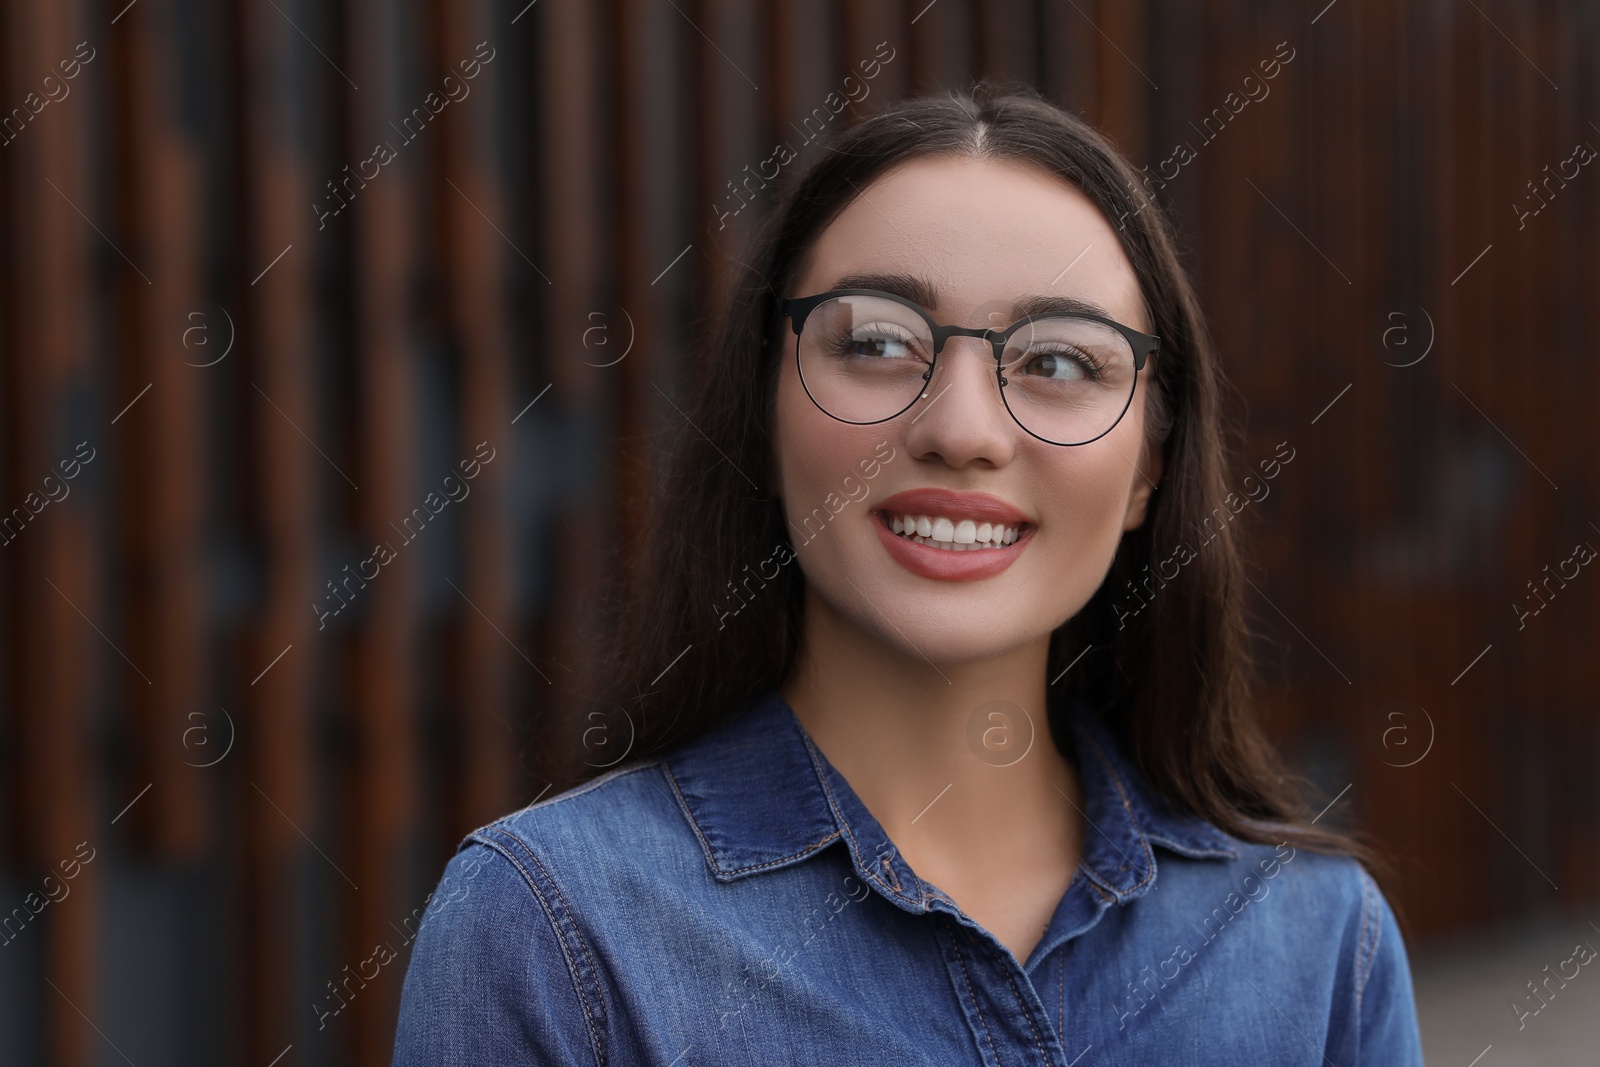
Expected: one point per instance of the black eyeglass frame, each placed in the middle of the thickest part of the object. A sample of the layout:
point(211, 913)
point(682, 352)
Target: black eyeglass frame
point(798, 309)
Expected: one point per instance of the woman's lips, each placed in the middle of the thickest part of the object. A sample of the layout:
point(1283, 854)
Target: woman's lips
point(943, 564)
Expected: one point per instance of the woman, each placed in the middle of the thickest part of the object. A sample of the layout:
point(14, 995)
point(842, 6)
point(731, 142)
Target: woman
point(943, 749)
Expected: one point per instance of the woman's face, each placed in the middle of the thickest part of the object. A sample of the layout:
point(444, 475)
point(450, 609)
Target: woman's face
point(983, 235)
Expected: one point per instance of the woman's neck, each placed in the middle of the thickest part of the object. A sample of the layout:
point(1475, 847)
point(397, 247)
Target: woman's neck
point(955, 760)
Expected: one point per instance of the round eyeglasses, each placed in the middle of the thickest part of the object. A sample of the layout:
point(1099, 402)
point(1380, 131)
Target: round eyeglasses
point(866, 356)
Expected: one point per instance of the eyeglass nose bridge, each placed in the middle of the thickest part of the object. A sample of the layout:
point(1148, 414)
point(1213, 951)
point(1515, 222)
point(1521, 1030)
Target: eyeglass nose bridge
point(996, 336)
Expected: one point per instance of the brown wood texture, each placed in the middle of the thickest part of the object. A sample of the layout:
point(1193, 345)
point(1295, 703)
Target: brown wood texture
point(274, 785)
point(55, 578)
point(377, 774)
point(291, 750)
point(161, 506)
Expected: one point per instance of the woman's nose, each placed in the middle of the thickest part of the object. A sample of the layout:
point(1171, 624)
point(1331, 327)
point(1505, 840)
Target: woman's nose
point(960, 415)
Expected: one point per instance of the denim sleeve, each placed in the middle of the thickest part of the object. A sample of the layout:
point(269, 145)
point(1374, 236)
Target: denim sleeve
point(1387, 1008)
point(492, 976)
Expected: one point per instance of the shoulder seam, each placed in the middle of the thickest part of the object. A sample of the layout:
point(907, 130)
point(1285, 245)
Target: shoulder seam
point(1371, 925)
point(590, 1012)
point(594, 783)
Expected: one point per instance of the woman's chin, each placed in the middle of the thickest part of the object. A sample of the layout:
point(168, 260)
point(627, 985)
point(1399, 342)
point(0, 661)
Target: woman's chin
point(954, 647)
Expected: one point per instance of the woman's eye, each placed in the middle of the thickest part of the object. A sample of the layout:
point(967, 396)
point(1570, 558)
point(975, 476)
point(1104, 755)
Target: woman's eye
point(1061, 364)
point(876, 347)
point(876, 344)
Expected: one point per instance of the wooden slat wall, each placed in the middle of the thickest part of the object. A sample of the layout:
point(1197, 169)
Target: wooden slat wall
point(578, 187)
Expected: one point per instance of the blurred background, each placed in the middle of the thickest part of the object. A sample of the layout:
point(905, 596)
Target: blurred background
point(284, 279)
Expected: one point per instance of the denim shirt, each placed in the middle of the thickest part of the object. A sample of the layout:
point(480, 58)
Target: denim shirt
point(734, 903)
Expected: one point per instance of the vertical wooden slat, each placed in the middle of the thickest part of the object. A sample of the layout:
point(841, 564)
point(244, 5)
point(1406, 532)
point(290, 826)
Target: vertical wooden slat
point(941, 46)
point(734, 128)
point(1575, 336)
point(1006, 45)
point(866, 24)
point(1126, 78)
point(381, 780)
point(1395, 793)
point(12, 381)
point(628, 250)
point(800, 73)
point(1544, 418)
point(633, 396)
point(1364, 165)
point(160, 491)
point(1330, 205)
point(1491, 173)
point(1510, 403)
point(1445, 255)
point(473, 209)
point(1072, 57)
point(55, 578)
point(72, 937)
point(1462, 239)
point(572, 169)
point(274, 192)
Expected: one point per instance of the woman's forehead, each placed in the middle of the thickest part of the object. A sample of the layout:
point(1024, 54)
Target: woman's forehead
point(981, 233)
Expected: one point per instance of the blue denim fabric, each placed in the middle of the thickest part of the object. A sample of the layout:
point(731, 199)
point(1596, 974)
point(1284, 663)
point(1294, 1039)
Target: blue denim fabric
point(734, 903)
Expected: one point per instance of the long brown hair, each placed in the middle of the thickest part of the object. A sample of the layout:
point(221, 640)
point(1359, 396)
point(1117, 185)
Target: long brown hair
point(1174, 679)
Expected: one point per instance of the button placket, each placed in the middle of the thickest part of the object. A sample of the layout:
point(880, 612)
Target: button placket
point(1009, 1022)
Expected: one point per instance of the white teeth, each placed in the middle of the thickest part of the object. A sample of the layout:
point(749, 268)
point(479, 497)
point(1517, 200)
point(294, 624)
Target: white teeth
point(957, 536)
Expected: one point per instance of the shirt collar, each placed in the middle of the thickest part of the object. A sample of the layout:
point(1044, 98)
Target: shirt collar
point(761, 796)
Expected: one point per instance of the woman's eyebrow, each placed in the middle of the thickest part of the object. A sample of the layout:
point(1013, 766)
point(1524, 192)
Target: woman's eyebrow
point(922, 291)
